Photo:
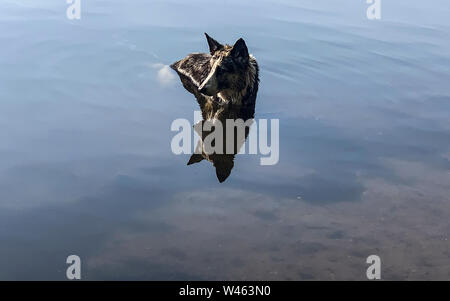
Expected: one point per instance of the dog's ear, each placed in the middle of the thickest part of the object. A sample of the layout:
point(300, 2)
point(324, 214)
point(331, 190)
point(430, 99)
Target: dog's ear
point(213, 44)
point(195, 158)
point(223, 166)
point(240, 51)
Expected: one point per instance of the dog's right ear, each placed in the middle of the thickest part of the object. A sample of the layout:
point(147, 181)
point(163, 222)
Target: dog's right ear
point(240, 52)
point(213, 44)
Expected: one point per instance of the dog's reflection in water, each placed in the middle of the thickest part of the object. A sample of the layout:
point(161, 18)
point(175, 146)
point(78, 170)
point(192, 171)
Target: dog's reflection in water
point(225, 83)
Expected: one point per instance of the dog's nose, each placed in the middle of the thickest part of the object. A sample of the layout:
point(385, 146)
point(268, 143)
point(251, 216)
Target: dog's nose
point(202, 90)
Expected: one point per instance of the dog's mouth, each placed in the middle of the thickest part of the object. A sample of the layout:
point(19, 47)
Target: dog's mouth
point(209, 94)
point(206, 91)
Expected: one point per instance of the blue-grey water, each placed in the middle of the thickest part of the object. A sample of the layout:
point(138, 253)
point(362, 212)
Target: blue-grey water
point(86, 166)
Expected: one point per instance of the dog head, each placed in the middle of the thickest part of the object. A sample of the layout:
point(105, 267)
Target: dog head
point(229, 66)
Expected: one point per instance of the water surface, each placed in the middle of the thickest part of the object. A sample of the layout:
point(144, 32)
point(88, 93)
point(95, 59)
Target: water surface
point(85, 113)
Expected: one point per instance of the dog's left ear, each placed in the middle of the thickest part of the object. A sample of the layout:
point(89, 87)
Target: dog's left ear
point(213, 44)
point(240, 51)
point(195, 158)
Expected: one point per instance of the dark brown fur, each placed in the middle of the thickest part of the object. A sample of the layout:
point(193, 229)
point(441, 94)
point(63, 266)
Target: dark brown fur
point(225, 84)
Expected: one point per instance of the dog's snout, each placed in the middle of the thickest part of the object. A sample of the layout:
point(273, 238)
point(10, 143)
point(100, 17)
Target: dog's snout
point(208, 86)
point(205, 90)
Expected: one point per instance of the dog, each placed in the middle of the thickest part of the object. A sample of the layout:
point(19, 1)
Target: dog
point(225, 83)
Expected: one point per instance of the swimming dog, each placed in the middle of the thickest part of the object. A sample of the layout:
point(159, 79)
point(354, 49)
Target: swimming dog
point(225, 83)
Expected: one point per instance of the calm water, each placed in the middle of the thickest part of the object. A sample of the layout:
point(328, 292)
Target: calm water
point(85, 113)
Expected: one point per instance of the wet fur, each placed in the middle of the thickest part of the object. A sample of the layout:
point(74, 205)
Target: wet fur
point(236, 81)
